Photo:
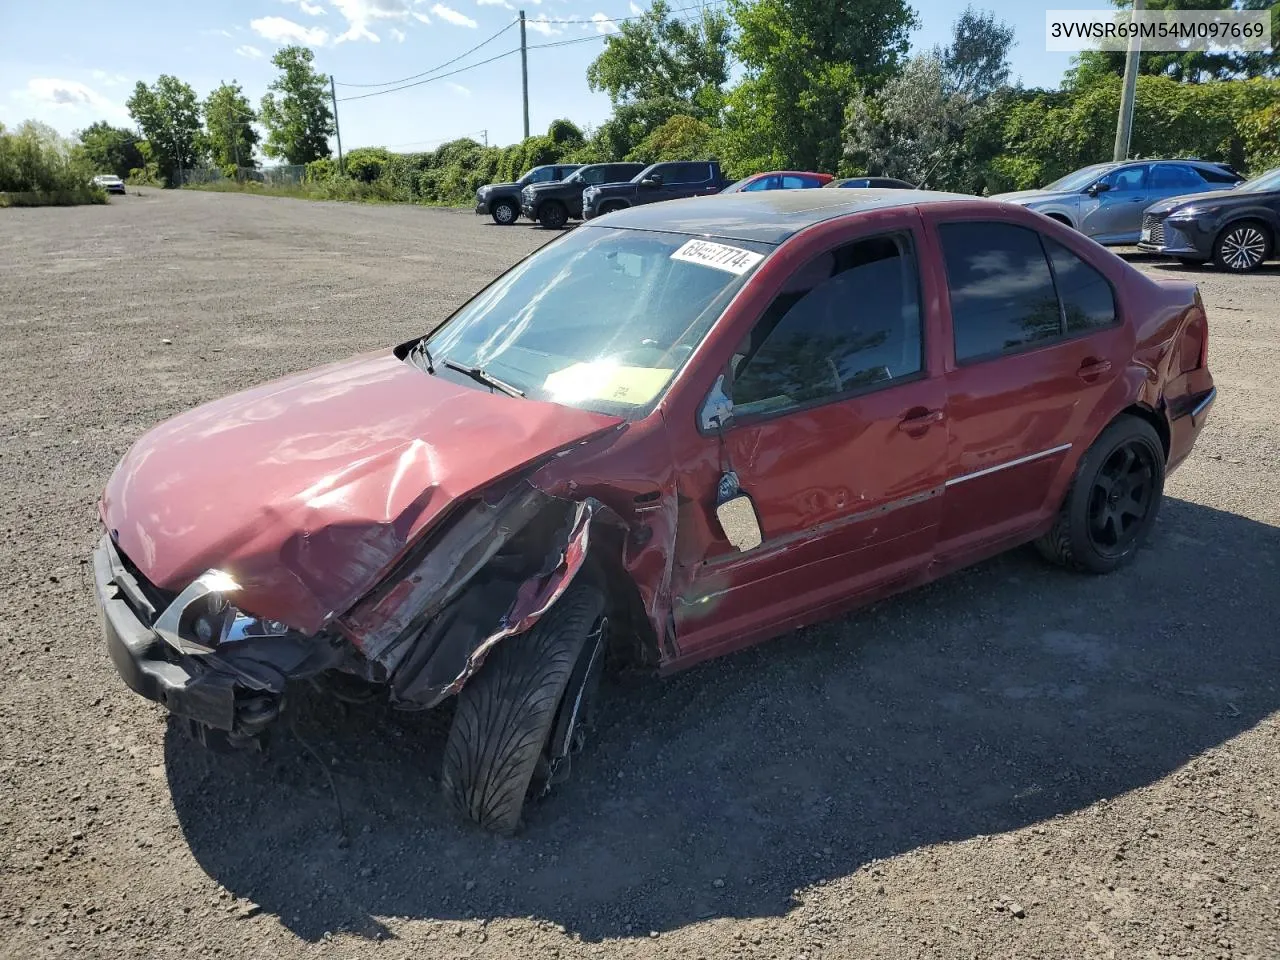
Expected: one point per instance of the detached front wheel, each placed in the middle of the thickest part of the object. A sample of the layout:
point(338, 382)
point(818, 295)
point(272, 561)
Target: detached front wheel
point(518, 717)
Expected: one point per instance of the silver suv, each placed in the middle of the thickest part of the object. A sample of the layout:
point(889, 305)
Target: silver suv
point(1105, 201)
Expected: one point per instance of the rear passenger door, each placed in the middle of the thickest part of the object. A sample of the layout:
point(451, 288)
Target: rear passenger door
point(691, 180)
point(1116, 213)
point(1035, 345)
point(798, 181)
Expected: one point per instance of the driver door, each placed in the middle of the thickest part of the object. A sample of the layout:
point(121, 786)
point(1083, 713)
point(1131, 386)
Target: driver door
point(838, 435)
point(1116, 213)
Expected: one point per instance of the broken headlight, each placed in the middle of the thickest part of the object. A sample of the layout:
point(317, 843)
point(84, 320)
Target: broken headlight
point(201, 617)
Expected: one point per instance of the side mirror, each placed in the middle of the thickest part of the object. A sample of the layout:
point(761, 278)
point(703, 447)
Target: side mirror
point(654, 181)
point(738, 520)
point(1097, 188)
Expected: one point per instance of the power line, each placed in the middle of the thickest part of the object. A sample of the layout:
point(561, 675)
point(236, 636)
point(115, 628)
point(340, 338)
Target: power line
point(451, 73)
point(447, 63)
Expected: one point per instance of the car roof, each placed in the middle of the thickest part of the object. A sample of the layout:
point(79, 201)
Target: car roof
point(767, 216)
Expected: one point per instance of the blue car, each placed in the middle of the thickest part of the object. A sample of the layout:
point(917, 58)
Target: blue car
point(1105, 201)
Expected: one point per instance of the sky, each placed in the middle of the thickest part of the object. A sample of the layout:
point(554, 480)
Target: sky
point(71, 62)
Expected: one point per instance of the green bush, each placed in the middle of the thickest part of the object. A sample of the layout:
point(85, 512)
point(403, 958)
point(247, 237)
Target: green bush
point(38, 167)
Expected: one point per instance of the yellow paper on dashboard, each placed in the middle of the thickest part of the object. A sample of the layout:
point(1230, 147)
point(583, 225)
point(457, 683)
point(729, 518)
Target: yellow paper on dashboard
point(611, 382)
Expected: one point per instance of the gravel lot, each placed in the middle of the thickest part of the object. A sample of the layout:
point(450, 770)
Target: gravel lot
point(1015, 762)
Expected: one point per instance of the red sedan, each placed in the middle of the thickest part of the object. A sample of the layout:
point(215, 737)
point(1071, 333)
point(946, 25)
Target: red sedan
point(777, 407)
point(779, 180)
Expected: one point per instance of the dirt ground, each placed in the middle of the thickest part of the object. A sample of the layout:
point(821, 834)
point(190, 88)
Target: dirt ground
point(1014, 762)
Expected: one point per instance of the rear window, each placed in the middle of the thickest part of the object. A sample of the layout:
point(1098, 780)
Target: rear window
point(1088, 302)
point(687, 173)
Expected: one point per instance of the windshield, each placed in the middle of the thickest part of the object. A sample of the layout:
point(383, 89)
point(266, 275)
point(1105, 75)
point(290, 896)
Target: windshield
point(1080, 179)
point(1268, 181)
point(601, 319)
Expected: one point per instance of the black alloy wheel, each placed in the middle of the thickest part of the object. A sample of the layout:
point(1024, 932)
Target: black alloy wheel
point(1122, 495)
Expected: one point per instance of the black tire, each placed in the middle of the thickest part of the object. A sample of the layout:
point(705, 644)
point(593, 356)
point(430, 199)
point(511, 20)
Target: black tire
point(1242, 246)
point(505, 211)
point(612, 206)
point(553, 215)
point(505, 714)
point(1113, 501)
point(1192, 262)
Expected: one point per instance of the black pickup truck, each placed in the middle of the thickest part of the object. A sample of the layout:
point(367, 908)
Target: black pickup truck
point(659, 181)
point(502, 200)
point(553, 204)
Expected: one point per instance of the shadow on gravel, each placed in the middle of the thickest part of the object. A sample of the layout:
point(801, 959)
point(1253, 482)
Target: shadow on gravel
point(999, 697)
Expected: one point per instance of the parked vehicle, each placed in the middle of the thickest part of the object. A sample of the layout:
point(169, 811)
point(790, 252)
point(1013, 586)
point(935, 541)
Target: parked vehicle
point(554, 204)
point(873, 183)
point(1237, 229)
point(502, 200)
point(110, 183)
point(1106, 201)
point(659, 181)
point(779, 180)
point(824, 398)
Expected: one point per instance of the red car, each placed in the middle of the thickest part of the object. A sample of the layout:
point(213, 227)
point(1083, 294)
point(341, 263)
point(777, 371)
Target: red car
point(779, 180)
point(677, 431)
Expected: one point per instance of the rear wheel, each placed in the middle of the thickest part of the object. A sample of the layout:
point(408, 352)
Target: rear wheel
point(553, 215)
point(519, 715)
point(1242, 246)
point(1113, 501)
point(504, 212)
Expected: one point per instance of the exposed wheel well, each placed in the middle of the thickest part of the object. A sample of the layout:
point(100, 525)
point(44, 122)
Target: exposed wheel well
point(632, 639)
point(1061, 218)
point(1158, 422)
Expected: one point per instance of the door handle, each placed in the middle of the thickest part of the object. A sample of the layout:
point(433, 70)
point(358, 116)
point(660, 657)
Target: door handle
point(921, 421)
point(1092, 369)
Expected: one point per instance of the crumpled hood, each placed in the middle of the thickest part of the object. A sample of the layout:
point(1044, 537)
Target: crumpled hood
point(1028, 196)
point(1187, 199)
point(309, 488)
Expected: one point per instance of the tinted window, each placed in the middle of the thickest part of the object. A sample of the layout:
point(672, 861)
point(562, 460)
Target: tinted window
point(1087, 298)
point(846, 320)
point(595, 175)
point(763, 183)
point(540, 175)
point(1172, 176)
point(1130, 178)
point(795, 182)
point(1002, 295)
point(686, 173)
point(1217, 175)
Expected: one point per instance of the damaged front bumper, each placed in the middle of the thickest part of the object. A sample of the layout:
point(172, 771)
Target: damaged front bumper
point(237, 690)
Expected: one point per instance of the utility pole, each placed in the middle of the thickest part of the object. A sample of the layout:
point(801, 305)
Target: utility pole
point(486, 137)
point(1124, 125)
point(524, 74)
point(333, 98)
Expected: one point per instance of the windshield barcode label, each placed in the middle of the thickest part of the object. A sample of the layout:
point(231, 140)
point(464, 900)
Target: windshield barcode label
point(720, 256)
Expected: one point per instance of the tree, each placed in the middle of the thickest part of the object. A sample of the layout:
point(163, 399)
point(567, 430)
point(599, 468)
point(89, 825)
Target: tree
point(805, 59)
point(659, 66)
point(680, 138)
point(169, 115)
point(108, 149)
point(228, 117)
point(1190, 66)
point(931, 125)
point(299, 123)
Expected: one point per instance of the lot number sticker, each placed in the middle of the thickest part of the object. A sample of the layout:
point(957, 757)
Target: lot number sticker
point(719, 256)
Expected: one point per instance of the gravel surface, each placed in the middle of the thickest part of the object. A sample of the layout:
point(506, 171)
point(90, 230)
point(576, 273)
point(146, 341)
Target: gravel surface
point(1014, 762)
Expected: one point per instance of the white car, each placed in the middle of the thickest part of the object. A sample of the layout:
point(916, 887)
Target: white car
point(109, 182)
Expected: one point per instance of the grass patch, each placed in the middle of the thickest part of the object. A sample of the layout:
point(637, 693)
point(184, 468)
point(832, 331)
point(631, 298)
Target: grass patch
point(53, 198)
point(338, 188)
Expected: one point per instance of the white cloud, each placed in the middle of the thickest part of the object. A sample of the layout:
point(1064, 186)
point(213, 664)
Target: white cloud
point(603, 24)
point(450, 15)
point(457, 88)
point(280, 30)
point(398, 35)
point(494, 3)
point(249, 51)
point(421, 17)
point(636, 9)
point(64, 93)
point(215, 33)
point(541, 24)
point(314, 9)
point(110, 79)
point(360, 14)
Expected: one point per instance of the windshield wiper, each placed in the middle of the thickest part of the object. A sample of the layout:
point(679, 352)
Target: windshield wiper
point(419, 349)
point(481, 376)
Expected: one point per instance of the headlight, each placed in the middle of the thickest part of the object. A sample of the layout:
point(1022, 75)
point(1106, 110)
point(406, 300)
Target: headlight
point(201, 618)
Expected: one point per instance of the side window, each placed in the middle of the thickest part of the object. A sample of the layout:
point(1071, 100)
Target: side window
point(1088, 301)
point(845, 321)
point(1002, 294)
point(1130, 178)
point(596, 175)
point(1173, 176)
point(542, 175)
point(794, 182)
point(764, 183)
point(1217, 175)
point(687, 173)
